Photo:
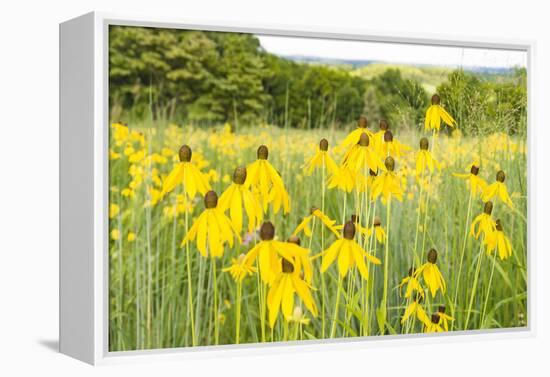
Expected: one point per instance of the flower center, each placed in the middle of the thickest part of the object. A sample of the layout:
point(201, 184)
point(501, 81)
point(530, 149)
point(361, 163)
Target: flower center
point(354, 218)
point(364, 140)
point(263, 152)
point(390, 163)
point(267, 231)
point(313, 209)
point(377, 221)
point(384, 125)
point(441, 309)
point(498, 225)
point(185, 153)
point(372, 173)
point(294, 239)
point(323, 145)
point(288, 267)
point(436, 100)
point(362, 122)
point(388, 136)
point(435, 318)
point(424, 144)
point(239, 175)
point(474, 170)
point(501, 176)
point(411, 271)
point(349, 230)
point(211, 199)
point(488, 208)
point(432, 256)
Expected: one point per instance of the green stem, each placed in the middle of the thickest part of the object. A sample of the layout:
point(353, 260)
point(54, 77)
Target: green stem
point(488, 290)
point(386, 262)
point(215, 283)
point(461, 258)
point(189, 284)
point(336, 304)
point(474, 287)
point(238, 313)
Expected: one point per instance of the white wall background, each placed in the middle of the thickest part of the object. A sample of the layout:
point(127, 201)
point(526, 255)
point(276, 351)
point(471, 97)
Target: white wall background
point(29, 184)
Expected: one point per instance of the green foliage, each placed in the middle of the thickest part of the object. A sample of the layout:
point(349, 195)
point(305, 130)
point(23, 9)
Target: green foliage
point(486, 106)
point(401, 101)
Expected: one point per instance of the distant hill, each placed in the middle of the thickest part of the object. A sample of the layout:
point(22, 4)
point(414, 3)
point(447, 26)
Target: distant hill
point(430, 76)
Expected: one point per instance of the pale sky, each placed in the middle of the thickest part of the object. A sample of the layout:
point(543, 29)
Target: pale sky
point(392, 52)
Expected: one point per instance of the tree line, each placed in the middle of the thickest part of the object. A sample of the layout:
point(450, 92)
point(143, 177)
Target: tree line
point(207, 78)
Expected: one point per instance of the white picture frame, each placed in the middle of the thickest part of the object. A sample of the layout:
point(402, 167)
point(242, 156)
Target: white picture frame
point(84, 189)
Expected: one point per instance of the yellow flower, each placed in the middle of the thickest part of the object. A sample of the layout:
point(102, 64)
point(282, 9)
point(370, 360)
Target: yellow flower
point(391, 147)
point(353, 137)
point(412, 284)
point(212, 229)
point(424, 158)
point(186, 173)
point(498, 188)
point(237, 196)
point(387, 183)
point(378, 138)
point(344, 179)
point(417, 310)
point(268, 251)
point(263, 177)
point(299, 317)
point(477, 184)
point(435, 114)
point(120, 133)
point(315, 212)
point(484, 222)
point(113, 155)
point(434, 324)
point(498, 240)
point(349, 254)
point(431, 274)
point(378, 230)
point(286, 282)
point(238, 269)
point(444, 319)
point(131, 236)
point(362, 156)
point(320, 159)
point(114, 209)
point(358, 227)
point(115, 234)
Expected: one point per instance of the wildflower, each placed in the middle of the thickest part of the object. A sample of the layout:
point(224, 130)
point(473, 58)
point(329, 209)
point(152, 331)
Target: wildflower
point(238, 269)
point(499, 241)
point(212, 229)
point(315, 212)
point(268, 251)
point(120, 133)
point(444, 319)
point(358, 227)
point(484, 222)
point(115, 234)
point(286, 282)
point(263, 176)
point(186, 173)
point(477, 184)
point(299, 317)
point(498, 188)
point(378, 230)
point(344, 179)
point(417, 310)
point(378, 137)
point(391, 146)
point(433, 325)
point(237, 196)
point(362, 155)
point(387, 183)
point(424, 159)
point(131, 237)
point(321, 158)
point(435, 114)
point(412, 284)
point(354, 136)
point(349, 253)
point(431, 274)
point(114, 210)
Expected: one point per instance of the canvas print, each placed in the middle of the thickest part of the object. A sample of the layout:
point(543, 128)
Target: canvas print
point(273, 189)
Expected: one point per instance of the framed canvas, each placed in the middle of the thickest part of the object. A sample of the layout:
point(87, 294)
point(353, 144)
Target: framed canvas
point(241, 189)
